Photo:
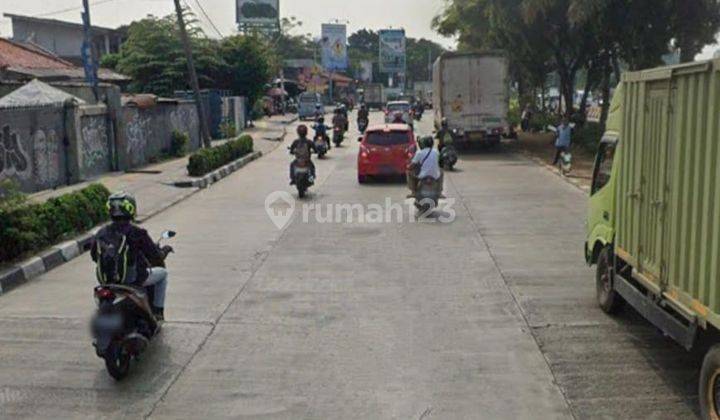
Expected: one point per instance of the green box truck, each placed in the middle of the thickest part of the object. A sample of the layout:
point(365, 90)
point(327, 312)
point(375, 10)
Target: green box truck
point(654, 209)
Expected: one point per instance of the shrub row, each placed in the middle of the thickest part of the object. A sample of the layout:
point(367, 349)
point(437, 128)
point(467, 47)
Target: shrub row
point(588, 136)
point(207, 160)
point(31, 227)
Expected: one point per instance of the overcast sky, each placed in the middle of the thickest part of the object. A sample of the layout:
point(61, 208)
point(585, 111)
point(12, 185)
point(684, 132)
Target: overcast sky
point(413, 15)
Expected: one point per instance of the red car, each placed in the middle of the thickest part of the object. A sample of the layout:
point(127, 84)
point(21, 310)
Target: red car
point(385, 150)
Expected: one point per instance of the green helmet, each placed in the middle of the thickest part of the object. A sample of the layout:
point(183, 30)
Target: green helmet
point(122, 206)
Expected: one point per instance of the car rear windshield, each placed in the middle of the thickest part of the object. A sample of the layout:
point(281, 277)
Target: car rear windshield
point(398, 107)
point(381, 138)
point(308, 98)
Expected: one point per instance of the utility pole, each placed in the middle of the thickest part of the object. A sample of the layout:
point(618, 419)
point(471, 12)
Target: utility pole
point(88, 51)
point(204, 131)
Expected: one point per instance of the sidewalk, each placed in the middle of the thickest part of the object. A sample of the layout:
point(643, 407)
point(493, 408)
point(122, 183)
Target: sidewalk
point(153, 185)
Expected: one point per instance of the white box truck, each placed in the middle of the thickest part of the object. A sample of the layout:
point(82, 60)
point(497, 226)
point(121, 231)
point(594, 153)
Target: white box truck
point(472, 91)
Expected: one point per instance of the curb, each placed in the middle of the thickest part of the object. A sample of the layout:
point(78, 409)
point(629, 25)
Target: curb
point(575, 183)
point(218, 174)
point(65, 252)
point(48, 260)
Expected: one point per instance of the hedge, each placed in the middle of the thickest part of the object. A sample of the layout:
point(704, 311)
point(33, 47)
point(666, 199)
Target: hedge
point(32, 227)
point(588, 136)
point(207, 160)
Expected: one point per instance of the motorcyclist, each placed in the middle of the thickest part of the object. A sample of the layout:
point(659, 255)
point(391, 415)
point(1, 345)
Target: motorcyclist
point(321, 129)
point(144, 254)
point(425, 163)
point(302, 148)
point(339, 119)
point(444, 135)
point(398, 118)
point(344, 112)
point(363, 113)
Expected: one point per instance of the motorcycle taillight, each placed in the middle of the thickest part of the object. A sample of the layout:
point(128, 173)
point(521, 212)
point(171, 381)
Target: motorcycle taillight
point(104, 294)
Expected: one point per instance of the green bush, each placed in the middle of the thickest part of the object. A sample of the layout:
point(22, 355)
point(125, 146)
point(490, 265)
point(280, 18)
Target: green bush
point(179, 143)
point(31, 227)
point(541, 120)
point(514, 113)
point(588, 136)
point(207, 160)
point(228, 130)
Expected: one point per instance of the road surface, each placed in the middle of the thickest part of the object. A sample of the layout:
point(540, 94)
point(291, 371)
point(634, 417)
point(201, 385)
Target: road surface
point(491, 316)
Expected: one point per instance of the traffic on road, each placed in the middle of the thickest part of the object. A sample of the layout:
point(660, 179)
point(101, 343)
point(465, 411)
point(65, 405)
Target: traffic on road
point(475, 223)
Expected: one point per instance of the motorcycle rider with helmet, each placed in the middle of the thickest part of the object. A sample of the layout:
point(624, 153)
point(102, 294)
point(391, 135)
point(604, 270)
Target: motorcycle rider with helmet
point(302, 148)
point(444, 135)
point(144, 259)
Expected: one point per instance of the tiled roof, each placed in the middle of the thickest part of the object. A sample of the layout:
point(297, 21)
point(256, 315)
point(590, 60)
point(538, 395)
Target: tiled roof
point(13, 54)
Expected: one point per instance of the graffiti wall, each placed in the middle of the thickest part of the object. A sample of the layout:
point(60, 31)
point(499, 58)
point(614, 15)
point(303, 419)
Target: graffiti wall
point(149, 130)
point(94, 147)
point(31, 147)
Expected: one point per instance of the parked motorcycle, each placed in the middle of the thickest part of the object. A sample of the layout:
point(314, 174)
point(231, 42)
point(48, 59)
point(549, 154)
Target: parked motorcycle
point(448, 157)
point(338, 136)
point(565, 163)
point(123, 324)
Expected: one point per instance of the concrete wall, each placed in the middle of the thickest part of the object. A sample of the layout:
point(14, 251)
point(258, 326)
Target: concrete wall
point(149, 131)
point(62, 40)
point(31, 147)
point(46, 147)
point(95, 148)
point(234, 111)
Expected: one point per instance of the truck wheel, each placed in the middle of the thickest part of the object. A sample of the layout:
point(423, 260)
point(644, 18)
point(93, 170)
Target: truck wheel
point(709, 386)
point(608, 299)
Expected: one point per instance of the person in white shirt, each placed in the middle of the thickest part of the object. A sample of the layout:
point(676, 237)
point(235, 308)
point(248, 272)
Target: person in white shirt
point(425, 163)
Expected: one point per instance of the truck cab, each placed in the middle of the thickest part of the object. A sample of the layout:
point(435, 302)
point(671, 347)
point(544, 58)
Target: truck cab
point(601, 218)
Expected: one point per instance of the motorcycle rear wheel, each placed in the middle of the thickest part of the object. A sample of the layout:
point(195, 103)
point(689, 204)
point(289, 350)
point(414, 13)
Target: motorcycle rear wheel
point(117, 362)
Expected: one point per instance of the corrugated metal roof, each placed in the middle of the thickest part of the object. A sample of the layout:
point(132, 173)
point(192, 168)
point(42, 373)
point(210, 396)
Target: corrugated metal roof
point(13, 54)
point(36, 93)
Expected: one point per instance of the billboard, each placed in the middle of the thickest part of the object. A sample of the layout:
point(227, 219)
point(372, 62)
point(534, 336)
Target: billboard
point(334, 47)
point(392, 51)
point(258, 11)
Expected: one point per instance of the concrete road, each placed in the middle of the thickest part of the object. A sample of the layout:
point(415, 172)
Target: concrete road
point(490, 316)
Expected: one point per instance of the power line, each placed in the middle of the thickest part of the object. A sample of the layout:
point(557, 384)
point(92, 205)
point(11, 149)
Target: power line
point(202, 10)
point(71, 9)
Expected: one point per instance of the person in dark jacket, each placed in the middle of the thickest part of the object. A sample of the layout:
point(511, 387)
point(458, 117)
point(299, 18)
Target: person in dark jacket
point(149, 259)
point(302, 149)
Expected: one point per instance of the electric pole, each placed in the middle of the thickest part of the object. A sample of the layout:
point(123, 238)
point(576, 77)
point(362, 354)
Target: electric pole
point(204, 131)
point(89, 54)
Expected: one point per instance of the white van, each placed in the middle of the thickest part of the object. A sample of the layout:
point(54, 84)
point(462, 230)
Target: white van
point(309, 104)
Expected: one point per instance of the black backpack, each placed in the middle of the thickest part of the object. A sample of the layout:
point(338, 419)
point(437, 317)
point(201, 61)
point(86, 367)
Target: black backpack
point(116, 264)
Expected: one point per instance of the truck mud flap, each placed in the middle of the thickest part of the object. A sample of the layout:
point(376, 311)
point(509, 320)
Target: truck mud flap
point(683, 333)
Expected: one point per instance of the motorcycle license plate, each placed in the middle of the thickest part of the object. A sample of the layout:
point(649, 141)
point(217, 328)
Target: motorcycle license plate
point(109, 322)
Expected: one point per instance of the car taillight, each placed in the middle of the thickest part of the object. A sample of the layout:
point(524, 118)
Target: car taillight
point(364, 152)
point(411, 151)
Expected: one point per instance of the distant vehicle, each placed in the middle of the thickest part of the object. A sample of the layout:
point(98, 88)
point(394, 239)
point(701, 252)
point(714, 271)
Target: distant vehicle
point(653, 210)
point(308, 105)
point(393, 108)
point(373, 95)
point(385, 150)
point(471, 91)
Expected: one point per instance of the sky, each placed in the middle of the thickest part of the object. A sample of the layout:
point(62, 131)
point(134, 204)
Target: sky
point(413, 15)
